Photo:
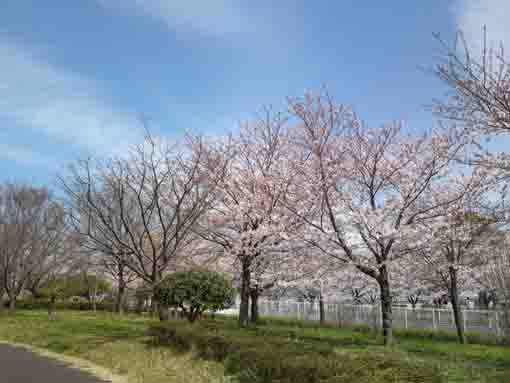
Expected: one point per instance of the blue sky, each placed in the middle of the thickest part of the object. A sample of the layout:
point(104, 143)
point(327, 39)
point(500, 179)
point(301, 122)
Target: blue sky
point(76, 77)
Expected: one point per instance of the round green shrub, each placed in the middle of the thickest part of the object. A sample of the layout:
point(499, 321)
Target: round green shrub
point(195, 292)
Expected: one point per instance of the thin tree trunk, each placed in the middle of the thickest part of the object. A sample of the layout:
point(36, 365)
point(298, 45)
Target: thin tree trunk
point(194, 314)
point(12, 303)
point(322, 314)
point(35, 292)
point(51, 308)
point(154, 305)
point(119, 303)
point(244, 308)
point(386, 309)
point(94, 305)
point(254, 295)
point(94, 294)
point(2, 292)
point(454, 298)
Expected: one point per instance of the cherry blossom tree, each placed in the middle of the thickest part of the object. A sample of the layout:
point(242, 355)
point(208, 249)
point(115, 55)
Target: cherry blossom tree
point(494, 275)
point(368, 187)
point(249, 220)
point(479, 84)
point(495, 272)
point(452, 248)
point(477, 101)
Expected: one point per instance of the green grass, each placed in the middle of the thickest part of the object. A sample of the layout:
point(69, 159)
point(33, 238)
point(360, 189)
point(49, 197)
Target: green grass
point(121, 345)
point(275, 351)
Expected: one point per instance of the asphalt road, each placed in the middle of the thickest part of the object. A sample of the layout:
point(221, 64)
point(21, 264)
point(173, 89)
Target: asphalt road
point(18, 365)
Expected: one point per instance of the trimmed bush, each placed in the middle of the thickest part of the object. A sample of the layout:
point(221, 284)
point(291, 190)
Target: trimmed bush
point(43, 304)
point(195, 292)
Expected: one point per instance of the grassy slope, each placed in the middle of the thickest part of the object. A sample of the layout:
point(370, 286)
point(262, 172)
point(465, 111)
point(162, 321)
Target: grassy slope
point(111, 342)
point(122, 346)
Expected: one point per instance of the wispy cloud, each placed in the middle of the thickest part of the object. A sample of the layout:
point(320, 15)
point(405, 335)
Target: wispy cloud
point(211, 17)
point(39, 101)
point(472, 15)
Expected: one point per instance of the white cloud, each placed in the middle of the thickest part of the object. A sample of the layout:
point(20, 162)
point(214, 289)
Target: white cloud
point(211, 17)
point(472, 15)
point(39, 101)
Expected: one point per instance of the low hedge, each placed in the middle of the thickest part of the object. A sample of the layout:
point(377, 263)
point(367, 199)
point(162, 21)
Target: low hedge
point(263, 354)
point(43, 304)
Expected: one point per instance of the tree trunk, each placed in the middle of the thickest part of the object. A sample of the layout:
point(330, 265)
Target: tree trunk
point(322, 314)
point(386, 309)
point(12, 303)
point(2, 291)
point(94, 295)
point(454, 299)
point(254, 295)
point(35, 292)
point(159, 308)
point(51, 308)
point(244, 308)
point(194, 314)
point(163, 312)
point(119, 303)
point(154, 308)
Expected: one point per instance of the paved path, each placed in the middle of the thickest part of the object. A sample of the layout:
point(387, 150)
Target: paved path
point(18, 365)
